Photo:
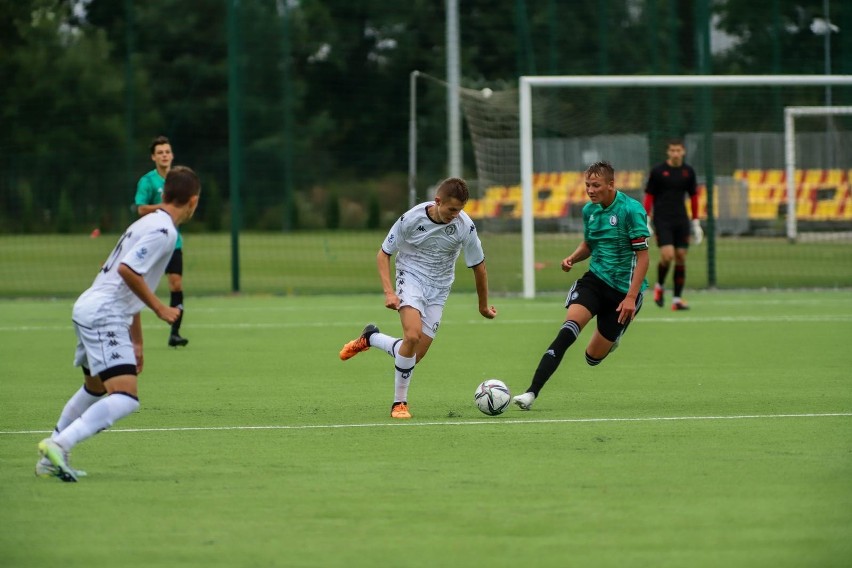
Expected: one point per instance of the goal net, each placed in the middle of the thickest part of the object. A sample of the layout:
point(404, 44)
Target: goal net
point(532, 144)
point(830, 202)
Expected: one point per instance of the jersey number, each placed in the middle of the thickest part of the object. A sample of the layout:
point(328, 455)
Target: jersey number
point(116, 253)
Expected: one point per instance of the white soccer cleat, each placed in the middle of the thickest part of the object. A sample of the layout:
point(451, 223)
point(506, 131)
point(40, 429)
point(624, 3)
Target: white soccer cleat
point(54, 453)
point(44, 468)
point(524, 401)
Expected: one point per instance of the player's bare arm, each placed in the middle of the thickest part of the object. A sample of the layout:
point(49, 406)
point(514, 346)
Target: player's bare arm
point(480, 275)
point(143, 210)
point(580, 254)
point(137, 285)
point(136, 338)
point(383, 265)
point(627, 308)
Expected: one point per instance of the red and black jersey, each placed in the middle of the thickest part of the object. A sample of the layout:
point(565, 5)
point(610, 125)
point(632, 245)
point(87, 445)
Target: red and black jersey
point(669, 187)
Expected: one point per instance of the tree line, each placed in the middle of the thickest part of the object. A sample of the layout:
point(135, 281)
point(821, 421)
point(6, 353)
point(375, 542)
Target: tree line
point(323, 91)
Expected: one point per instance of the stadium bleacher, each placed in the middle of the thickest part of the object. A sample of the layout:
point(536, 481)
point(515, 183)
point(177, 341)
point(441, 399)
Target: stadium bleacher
point(821, 195)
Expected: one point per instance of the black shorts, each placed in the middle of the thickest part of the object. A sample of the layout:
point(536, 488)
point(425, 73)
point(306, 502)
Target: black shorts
point(175, 265)
point(672, 232)
point(601, 300)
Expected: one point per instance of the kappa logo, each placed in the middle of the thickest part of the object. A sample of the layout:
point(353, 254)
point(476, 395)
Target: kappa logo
point(450, 230)
point(112, 343)
point(613, 220)
point(592, 217)
point(421, 228)
point(164, 231)
point(550, 352)
point(141, 253)
point(114, 356)
point(472, 228)
point(391, 238)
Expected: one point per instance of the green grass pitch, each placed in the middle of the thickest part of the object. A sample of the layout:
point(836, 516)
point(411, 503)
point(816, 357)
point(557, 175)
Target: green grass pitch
point(715, 437)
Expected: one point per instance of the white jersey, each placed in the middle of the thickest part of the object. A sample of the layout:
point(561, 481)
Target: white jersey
point(428, 250)
point(145, 247)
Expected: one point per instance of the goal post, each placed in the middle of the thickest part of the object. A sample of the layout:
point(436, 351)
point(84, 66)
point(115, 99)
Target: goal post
point(703, 83)
point(790, 115)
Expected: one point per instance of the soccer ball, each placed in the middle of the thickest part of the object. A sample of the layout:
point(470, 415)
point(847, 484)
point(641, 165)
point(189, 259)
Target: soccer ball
point(492, 397)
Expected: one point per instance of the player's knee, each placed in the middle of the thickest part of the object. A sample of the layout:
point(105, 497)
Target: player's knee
point(412, 337)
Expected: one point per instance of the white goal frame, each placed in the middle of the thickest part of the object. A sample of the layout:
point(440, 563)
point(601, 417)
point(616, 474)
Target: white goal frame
point(790, 115)
point(526, 83)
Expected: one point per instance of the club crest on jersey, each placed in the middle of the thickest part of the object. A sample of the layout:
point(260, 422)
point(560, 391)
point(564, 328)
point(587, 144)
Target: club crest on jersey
point(450, 230)
point(613, 220)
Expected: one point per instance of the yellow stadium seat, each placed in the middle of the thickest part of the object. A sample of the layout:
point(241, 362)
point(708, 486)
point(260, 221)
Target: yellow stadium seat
point(755, 177)
point(495, 192)
point(762, 210)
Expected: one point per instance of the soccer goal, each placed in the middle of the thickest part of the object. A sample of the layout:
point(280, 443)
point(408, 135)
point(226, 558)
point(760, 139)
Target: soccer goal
point(733, 127)
point(791, 152)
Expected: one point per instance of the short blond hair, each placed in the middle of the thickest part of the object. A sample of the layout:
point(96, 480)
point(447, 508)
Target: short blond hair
point(602, 170)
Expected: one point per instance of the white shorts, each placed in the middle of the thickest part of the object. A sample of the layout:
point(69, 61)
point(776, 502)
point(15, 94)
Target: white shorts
point(103, 349)
point(427, 300)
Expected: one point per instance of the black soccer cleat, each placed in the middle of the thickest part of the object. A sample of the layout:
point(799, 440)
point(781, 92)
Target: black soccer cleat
point(176, 340)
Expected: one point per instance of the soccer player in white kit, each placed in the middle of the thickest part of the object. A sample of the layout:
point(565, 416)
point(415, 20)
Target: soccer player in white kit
point(427, 241)
point(109, 329)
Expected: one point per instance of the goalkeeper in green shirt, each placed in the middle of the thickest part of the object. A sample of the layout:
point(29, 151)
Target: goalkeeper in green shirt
point(149, 196)
point(615, 236)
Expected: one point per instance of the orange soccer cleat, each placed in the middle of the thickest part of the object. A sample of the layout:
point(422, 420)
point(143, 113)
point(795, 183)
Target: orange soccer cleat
point(362, 343)
point(400, 410)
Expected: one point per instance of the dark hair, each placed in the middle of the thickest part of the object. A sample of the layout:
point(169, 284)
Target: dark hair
point(159, 141)
point(455, 188)
point(675, 142)
point(602, 170)
point(181, 184)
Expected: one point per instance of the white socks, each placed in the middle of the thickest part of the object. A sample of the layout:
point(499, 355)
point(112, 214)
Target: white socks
point(74, 408)
point(385, 342)
point(99, 416)
point(403, 368)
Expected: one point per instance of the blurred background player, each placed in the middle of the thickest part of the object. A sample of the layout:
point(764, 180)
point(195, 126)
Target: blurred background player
point(109, 327)
point(668, 185)
point(427, 241)
point(149, 194)
point(615, 236)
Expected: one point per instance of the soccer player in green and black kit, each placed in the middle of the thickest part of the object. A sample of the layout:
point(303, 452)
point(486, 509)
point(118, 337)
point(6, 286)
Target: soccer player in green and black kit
point(615, 236)
point(149, 195)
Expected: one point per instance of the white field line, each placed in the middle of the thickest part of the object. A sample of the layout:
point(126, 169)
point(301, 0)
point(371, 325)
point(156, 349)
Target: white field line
point(490, 422)
point(505, 321)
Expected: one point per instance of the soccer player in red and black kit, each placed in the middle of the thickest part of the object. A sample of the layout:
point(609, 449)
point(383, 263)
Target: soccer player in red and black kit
point(665, 201)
